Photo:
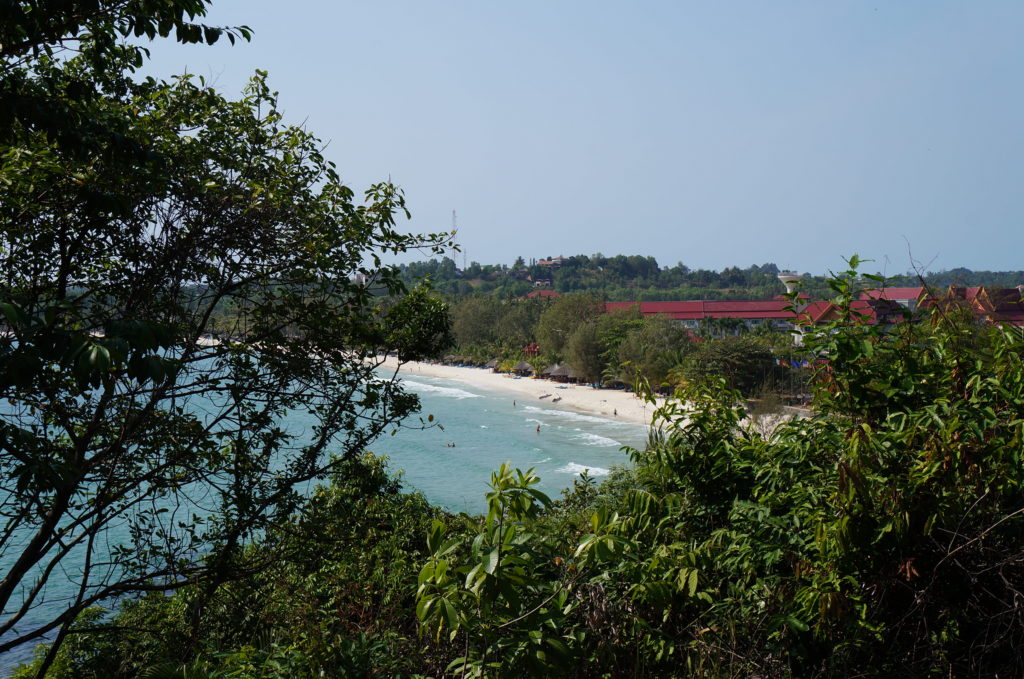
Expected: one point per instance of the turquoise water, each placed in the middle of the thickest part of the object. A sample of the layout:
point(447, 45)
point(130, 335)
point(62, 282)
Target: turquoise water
point(487, 429)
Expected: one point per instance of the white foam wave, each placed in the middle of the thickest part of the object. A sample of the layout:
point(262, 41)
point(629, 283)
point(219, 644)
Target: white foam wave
point(570, 415)
point(449, 392)
point(576, 469)
point(483, 426)
point(588, 439)
point(546, 459)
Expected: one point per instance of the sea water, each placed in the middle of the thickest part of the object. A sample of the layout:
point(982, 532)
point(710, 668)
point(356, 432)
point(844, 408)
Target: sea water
point(490, 427)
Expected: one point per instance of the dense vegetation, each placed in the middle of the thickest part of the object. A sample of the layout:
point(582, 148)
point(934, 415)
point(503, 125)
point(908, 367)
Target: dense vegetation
point(880, 536)
point(640, 279)
point(621, 347)
point(135, 455)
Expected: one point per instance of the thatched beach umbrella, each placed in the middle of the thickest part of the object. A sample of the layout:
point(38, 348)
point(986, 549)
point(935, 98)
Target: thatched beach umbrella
point(492, 364)
point(523, 368)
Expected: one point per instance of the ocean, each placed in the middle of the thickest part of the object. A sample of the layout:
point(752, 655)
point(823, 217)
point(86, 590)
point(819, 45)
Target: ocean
point(491, 427)
point(487, 428)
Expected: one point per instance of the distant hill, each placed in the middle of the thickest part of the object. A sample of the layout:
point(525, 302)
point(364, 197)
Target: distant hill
point(623, 278)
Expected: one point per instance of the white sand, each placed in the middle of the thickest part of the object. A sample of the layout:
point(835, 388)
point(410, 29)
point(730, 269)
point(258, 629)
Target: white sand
point(614, 404)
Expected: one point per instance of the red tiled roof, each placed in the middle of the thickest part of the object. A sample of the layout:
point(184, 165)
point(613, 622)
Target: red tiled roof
point(998, 305)
point(771, 308)
point(894, 293)
point(698, 309)
point(814, 311)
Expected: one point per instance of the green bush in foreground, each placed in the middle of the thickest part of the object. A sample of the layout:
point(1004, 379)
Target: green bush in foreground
point(881, 536)
point(333, 601)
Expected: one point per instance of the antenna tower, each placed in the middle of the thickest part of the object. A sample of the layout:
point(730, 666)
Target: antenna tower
point(455, 228)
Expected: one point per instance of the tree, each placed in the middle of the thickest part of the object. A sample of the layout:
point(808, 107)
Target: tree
point(517, 321)
point(746, 362)
point(562, 318)
point(32, 33)
point(473, 321)
point(583, 352)
point(651, 350)
point(136, 453)
point(593, 348)
point(881, 536)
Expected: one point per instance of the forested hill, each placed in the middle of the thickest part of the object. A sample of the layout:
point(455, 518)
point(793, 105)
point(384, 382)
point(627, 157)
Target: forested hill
point(637, 278)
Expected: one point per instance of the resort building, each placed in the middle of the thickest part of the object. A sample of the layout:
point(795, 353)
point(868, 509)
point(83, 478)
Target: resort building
point(884, 305)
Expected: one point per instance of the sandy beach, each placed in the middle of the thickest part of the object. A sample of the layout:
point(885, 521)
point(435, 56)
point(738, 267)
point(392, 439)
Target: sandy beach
point(611, 403)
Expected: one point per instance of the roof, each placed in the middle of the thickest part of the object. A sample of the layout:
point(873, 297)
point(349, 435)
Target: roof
point(698, 309)
point(895, 294)
point(544, 294)
point(862, 310)
point(550, 369)
point(994, 305)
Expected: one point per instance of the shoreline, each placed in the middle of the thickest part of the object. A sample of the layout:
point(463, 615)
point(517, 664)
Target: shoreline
point(613, 404)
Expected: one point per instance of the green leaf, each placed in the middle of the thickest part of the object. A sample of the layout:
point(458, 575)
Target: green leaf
point(451, 615)
point(491, 559)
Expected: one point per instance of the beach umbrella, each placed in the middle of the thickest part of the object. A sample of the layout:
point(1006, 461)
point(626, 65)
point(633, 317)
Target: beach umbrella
point(493, 363)
point(548, 371)
point(560, 371)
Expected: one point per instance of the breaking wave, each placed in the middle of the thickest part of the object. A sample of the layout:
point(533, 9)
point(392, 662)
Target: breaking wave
point(575, 469)
point(588, 439)
point(449, 392)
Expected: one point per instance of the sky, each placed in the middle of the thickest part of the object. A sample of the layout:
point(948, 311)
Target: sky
point(709, 133)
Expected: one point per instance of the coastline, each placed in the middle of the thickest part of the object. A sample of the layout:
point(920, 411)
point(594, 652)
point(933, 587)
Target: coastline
point(613, 404)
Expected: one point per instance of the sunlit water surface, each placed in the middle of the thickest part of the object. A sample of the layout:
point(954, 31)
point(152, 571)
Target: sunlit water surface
point(487, 428)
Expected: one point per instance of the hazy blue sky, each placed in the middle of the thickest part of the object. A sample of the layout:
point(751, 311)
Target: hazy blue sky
point(713, 133)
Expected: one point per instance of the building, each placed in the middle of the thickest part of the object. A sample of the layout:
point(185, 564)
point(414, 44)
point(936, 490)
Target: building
point(773, 312)
point(553, 263)
point(884, 305)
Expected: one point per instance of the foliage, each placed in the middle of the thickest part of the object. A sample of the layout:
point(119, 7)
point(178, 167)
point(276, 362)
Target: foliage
point(880, 536)
point(485, 329)
point(33, 35)
point(135, 453)
point(499, 586)
point(650, 350)
point(746, 362)
point(637, 278)
point(559, 320)
point(333, 602)
point(583, 352)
